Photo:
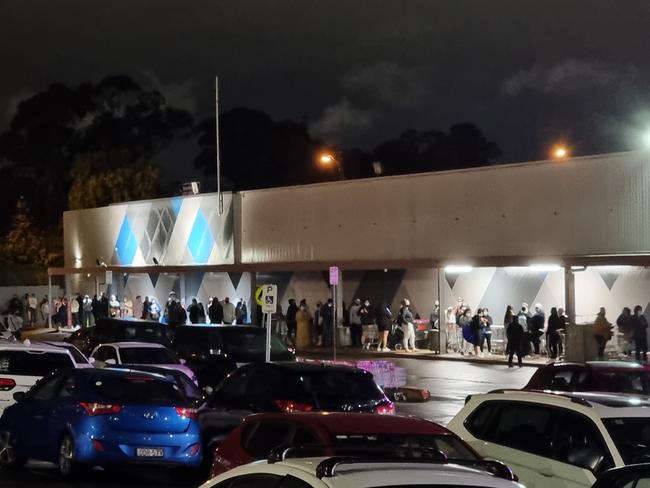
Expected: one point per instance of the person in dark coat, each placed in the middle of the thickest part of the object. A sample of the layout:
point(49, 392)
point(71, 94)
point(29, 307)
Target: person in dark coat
point(146, 309)
point(535, 328)
point(477, 325)
point(327, 312)
point(176, 314)
point(103, 306)
point(201, 314)
point(553, 338)
point(515, 334)
point(639, 326)
point(215, 311)
point(292, 323)
point(384, 321)
point(193, 311)
point(96, 308)
point(623, 323)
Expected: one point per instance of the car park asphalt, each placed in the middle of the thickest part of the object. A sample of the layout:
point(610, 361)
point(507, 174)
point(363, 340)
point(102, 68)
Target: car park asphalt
point(449, 382)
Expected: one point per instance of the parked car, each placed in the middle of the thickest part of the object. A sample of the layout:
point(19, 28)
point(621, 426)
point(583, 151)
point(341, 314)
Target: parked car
point(357, 471)
point(140, 353)
point(610, 376)
point(22, 364)
point(90, 417)
point(301, 387)
point(565, 439)
point(634, 476)
point(213, 351)
point(259, 434)
point(118, 330)
point(79, 358)
point(186, 385)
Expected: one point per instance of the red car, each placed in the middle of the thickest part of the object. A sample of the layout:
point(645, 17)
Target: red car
point(611, 376)
point(259, 434)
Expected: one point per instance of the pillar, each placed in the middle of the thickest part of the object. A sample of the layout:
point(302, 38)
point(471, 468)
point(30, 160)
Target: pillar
point(575, 350)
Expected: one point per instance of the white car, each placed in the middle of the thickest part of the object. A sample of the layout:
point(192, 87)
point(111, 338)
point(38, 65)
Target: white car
point(140, 353)
point(22, 364)
point(558, 440)
point(80, 361)
point(348, 472)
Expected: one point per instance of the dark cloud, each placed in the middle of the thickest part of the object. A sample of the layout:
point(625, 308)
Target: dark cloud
point(358, 71)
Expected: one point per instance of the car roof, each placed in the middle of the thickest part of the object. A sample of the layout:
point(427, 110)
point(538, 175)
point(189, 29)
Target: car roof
point(33, 347)
point(302, 367)
point(602, 365)
point(377, 473)
point(350, 423)
point(605, 405)
point(151, 345)
point(118, 373)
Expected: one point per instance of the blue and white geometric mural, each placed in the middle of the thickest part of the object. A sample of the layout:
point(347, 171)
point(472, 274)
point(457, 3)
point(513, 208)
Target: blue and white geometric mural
point(175, 231)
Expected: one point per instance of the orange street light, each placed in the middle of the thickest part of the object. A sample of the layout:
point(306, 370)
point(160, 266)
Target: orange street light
point(560, 152)
point(327, 158)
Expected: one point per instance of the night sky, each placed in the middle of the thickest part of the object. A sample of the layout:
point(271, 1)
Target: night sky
point(526, 72)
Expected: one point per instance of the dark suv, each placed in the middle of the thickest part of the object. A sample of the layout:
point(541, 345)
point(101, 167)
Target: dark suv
point(116, 330)
point(214, 351)
point(300, 387)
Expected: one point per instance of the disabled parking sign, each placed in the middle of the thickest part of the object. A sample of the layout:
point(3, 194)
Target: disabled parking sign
point(269, 298)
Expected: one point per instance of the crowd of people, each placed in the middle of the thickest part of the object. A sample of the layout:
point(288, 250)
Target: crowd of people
point(369, 325)
point(84, 311)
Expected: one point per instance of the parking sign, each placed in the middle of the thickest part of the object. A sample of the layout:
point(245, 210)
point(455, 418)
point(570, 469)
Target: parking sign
point(269, 298)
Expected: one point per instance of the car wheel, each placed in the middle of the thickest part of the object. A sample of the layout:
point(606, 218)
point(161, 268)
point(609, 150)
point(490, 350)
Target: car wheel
point(9, 458)
point(68, 468)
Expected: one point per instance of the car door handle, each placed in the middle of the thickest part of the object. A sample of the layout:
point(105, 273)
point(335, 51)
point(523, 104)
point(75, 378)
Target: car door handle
point(546, 472)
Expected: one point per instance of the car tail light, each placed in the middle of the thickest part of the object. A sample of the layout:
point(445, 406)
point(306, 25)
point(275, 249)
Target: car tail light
point(195, 448)
point(93, 408)
point(98, 446)
point(386, 408)
point(290, 406)
point(7, 384)
point(190, 413)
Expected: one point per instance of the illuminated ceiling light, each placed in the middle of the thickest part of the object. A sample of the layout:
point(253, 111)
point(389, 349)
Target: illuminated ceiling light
point(458, 268)
point(544, 267)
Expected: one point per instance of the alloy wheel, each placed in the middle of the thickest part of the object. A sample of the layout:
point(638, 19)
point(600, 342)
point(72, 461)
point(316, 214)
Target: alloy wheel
point(66, 455)
point(7, 450)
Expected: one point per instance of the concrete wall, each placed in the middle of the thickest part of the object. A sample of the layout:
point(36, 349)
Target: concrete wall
point(584, 206)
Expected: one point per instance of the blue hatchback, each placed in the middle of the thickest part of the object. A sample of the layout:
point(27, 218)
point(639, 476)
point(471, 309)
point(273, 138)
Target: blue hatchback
point(91, 417)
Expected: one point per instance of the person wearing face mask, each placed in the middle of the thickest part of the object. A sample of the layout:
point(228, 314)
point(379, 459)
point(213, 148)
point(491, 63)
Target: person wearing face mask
point(303, 319)
point(368, 327)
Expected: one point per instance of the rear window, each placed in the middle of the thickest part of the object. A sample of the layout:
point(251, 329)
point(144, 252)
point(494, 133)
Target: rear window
point(341, 384)
point(147, 355)
point(33, 363)
point(138, 390)
point(450, 446)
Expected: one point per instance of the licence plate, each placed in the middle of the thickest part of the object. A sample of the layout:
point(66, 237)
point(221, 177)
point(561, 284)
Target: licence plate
point(149, 452)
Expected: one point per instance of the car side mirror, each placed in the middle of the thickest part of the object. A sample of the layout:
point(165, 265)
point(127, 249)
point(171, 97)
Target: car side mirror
point(111, 362)
point(19, 396)
point(182, 361)
point(91, 361)
point(586, 458)
point(499, 469)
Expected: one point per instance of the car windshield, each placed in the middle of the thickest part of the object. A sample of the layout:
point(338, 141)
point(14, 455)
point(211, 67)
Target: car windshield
point(340, 385)
point(33, 363)
point(138, 390)
point(632, 438)
point(147, 355)
point(448, 445)
point(239, 341)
